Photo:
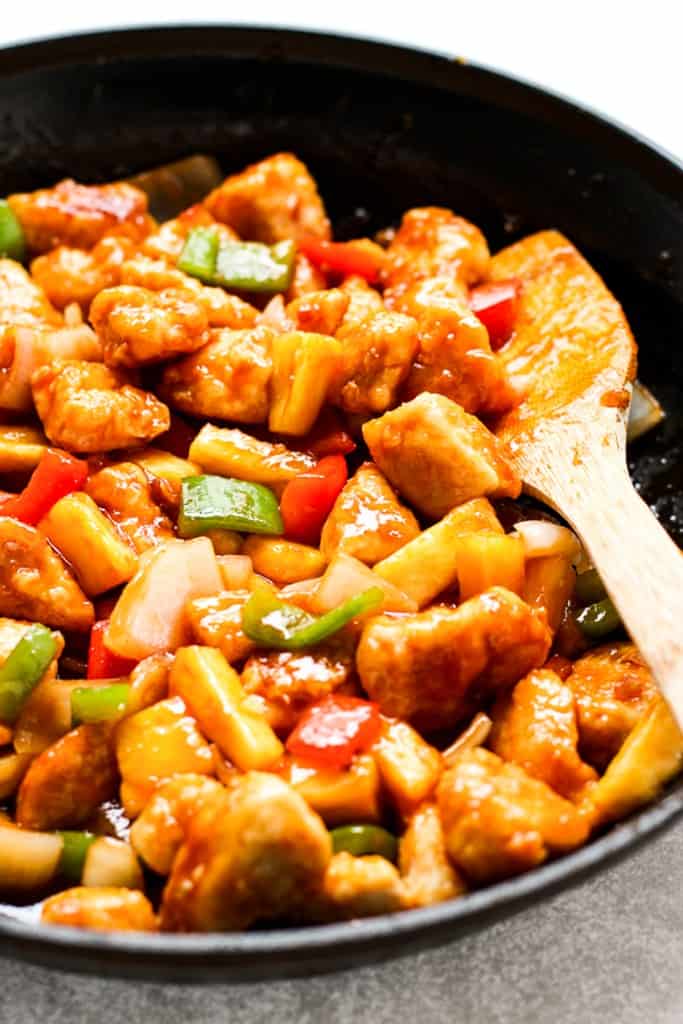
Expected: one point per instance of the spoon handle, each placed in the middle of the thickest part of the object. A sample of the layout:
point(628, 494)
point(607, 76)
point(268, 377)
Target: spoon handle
point(640, 565)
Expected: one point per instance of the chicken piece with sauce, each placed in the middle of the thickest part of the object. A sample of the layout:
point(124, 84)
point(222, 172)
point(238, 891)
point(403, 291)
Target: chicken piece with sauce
point(255, 852)
point(124, 492)
point(167, 242)
point(430, 668)
point(270, 201)
point(367, 520)
point(88, 407)
point(77, 275)
point(498, 821)
point(376, 358)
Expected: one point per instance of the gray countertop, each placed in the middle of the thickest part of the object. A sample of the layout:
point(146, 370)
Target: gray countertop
point(609, 950)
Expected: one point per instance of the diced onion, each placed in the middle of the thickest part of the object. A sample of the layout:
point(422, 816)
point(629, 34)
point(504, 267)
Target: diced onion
point(236, 570)
point(346, 576)
point(24, 349)
point(542, 538)
point(112, 862)
point(28, 860)
point(475, 735)
point(645, 412)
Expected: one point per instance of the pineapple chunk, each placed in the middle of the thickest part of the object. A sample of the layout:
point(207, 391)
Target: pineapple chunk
point(425, 566)
point(489, 560)
point(409, 767)
point(284, 561)
point(549, 583)
point(214, 695)
point(156, 744)
point(339, 796)
point(89, 541)
point(225, 542)
point(304, 366)
point(652, 754)
point(234, 453)
point(21, 448)
point(165, 466)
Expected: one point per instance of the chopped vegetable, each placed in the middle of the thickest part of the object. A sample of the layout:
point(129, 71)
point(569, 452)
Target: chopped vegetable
point(364, 839)
point(486, 560)
point(495, 304)
point(307, 500)
point(330, 732)
point(543, 538)
point(74, 851)
point(12, 241)
point(23, 670)
point(110, 861)
point(304, 366)
point(103, 663)
point(589, 587)
point(346, 576)
point(345, 258)
point(98, 703)
point(216, 503)
point(599, 619)
point(283, 561)
point(270, 622)
point(339, 795)
point(56, 475)
point(232, 453)
point(28, 860)
point(199, 254)
point(644, 413)
point(21, 448)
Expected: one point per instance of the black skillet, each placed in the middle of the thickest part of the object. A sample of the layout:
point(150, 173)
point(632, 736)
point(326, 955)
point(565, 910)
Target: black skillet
point(382, 128)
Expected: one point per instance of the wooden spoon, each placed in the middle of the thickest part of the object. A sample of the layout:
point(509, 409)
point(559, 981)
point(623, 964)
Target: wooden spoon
point(574, 356)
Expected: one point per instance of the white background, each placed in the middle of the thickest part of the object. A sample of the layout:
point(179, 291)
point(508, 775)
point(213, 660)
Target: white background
point(624, 58)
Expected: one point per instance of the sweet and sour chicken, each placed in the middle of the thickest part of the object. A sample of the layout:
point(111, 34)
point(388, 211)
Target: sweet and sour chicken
point(261, 600)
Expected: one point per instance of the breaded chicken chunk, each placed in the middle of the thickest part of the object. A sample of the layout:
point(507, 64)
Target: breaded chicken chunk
point(270, 201)
point(430, 668)
point(367, 519)
point(77, 275)
point(438, 456)
point(229, 378)
point(22, 300)
point(138, 326)
point(498, 821)
point(102, 908)
point(124, 492)
point(255, 852)
point(535, 726)
point(377, 355)
point(88, 407)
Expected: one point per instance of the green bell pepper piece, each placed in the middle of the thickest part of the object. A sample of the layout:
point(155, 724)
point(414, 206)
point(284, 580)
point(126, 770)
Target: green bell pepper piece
point(598, 619)
point(12, 241)
point(98, 703)
point(270, 622)
point(222, 503)
point(589, 587)
point(74, 852)
point(254, 267)
point(23, 670)
point(199, 254)
point(361, 840)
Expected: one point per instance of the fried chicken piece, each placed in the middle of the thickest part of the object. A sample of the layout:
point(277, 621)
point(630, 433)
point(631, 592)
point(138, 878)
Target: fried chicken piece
point(102, 908)
point(22, 300)
point(376, 358)
point(229, 378)
point(612, 687)
point(535, 727)
point(76, 275)
point(167, 242)
point(320, 312)
point(306, 278)
point(67, 782)
point(77, 215)
point(36, 584)
point(270, 201)
point(88, 407)
point(159, 832)
point(499, 822)
point(426, 872)
point(137, 326)
point(255, 852)
point(438, 456)
point(356, 887)
point(367, 519)
point(125, 493)
point(430, 668)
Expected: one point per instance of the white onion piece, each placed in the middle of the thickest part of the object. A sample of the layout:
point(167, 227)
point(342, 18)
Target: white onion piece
point(149, 616)
point(475, 735)
point(112, 862)
point(302, 588)
point(346, 576)
point(236, 571)
point(28, 860)
point(542, 538)
point(24, 349)
point(644, 414)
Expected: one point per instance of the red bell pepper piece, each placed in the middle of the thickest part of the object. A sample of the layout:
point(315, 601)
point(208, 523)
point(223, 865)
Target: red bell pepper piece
point(496, 306)
point(343, 258)
point(56, 475)
point(103, 663)
point(307, 500)
point(330, 732)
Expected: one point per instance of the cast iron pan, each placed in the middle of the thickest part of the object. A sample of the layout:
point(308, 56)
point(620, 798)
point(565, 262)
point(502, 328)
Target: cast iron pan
point(383, 128)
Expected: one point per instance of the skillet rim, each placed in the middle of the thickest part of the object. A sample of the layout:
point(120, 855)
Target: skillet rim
point(320, 946)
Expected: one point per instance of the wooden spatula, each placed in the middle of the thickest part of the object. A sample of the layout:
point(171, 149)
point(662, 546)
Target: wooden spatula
point(574, 357)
